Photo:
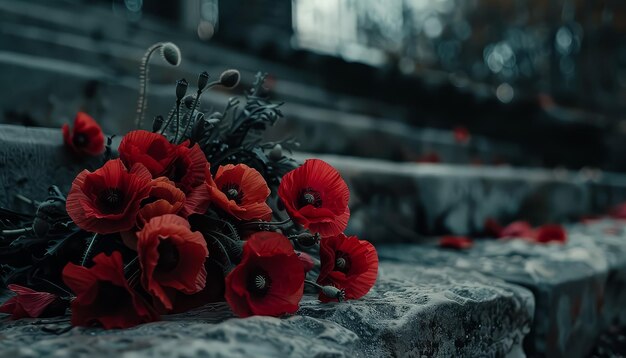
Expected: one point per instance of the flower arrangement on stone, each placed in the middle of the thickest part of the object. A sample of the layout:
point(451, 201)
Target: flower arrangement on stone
point(195, 211)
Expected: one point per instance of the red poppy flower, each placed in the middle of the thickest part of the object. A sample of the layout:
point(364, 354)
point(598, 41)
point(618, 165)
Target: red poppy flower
point(619, 211)
point(347, 263)
point(518, 229)
point(316, 197)
point(86, 137)
point(307, 261)
point(104, 296)
point(461, 135)
point(493, 228)
point(238, 189)
point(152, 150)
point(163, 198)
point(212, 292)
point(187, 167)
point(430, 157)
point(108, 200)
point(456, 242)
point(269, 280)
point(550, 233)
point(31, 303)
point(171, 257)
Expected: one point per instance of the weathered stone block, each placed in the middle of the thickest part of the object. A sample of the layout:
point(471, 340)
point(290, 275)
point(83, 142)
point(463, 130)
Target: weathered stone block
point(412, 311)
point(578, 287)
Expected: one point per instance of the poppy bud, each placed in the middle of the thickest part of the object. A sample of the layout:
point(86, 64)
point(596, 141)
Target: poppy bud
point(276, 153)
point(157, 123)
point(203, 79)
point(171, 53)
point(48, 214)
point(181, 88)
point(229, 78)
point(188, 101)
point(334, 292)
point(307, 240)
point(307, 261)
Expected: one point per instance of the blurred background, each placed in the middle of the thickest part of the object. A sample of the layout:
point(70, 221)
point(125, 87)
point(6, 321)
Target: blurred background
point(534, 83)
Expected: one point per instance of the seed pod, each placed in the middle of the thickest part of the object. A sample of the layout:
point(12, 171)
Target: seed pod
point(276, 153)
point(171, 53)
point(203, 80)
point(230, 78)
point(181, 88)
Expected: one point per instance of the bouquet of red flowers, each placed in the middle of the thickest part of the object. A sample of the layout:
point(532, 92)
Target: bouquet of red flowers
point(198, 210)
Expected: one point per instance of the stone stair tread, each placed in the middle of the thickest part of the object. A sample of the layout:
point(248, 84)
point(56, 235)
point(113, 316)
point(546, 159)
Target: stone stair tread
point(319, 129)
point(412, 310)
point(578, 287)
point(405, 200)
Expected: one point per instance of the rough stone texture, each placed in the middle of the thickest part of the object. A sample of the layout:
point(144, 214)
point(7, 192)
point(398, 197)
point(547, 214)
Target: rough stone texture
point(412, 311)
point(32, 159)
point(579, 287)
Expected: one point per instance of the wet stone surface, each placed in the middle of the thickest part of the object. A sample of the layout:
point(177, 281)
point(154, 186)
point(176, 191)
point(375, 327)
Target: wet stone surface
point(412, 311)
point(579, 287)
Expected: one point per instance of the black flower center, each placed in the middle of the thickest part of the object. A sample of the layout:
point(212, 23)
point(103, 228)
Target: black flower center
point(111, 298)
point(308, 196)
point(111, 200)
point(342, 262)
point(178, 170)
point(259, 283)
point(80, 140)
point(233, 192)
point(168, 256)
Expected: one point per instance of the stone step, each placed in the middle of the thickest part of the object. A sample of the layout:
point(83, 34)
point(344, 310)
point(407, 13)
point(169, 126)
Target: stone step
point(402, 202)
point(74, 26)
point(539, 133)
point(579, 287)
point(314, 113)
point(412, 311)
point(112, 99)
point(390, 202)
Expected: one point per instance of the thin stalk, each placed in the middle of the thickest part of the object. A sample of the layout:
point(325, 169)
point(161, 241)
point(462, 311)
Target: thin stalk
point(130, 263)
point(169, 119)
point(88, 249)
point(143, 83)
point(57, 286)
point(177, 121)
point(16, 231)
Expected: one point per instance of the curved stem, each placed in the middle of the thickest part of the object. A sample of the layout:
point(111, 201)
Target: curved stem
point(314, 284)
point(143, 83)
